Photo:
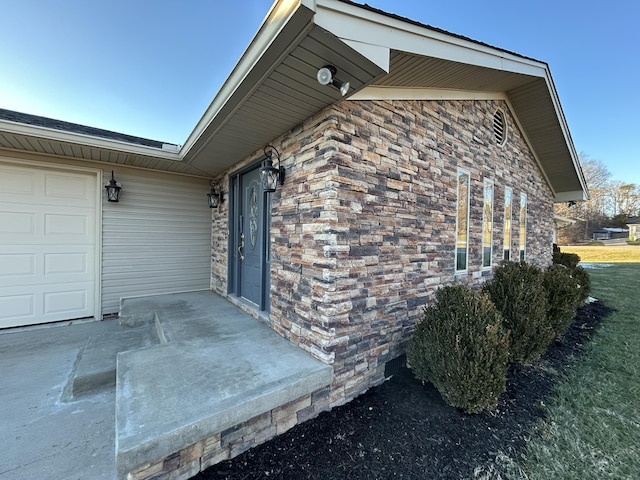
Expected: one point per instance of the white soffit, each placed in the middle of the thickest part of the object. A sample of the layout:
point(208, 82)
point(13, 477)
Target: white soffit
point(43, 133)
point(355, 23)
point(392, 93)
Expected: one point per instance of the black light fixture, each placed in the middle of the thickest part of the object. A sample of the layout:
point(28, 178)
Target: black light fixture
point(271, 175)
point(214, 196)
point(113, 189)
point(326, 76)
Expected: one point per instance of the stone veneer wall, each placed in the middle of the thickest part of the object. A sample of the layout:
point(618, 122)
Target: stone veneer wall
point(229, 443)
point(363, 231)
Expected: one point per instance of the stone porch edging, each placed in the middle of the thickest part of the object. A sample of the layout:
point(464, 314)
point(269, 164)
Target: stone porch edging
point(222, 383)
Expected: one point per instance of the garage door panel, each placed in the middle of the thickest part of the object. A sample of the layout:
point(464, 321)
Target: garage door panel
point(66, 224)
point(61, 187)
point(16, 183)
point(47, 245)
point(16, 309)
point(66, 264)
point(45, 303)
point(17, 223)
point(32, 265)
point(17, 264)
point(69, 303)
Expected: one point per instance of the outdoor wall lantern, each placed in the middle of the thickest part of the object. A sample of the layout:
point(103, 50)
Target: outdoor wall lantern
point(215, 197)
point(271, 175)
point(326, 76)
point(113, 189)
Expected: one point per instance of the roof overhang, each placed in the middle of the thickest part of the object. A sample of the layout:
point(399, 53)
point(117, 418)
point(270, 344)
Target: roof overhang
point(273, 88)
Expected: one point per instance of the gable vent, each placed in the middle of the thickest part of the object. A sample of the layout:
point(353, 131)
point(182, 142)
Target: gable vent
point(499, 128)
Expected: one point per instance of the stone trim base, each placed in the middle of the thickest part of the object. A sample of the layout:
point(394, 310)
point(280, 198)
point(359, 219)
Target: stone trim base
point(231, 442)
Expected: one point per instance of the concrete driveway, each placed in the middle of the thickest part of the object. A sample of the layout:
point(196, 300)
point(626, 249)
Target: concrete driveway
point(43, 435)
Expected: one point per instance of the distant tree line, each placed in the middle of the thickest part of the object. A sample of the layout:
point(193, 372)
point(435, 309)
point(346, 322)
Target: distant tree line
point(610, 205)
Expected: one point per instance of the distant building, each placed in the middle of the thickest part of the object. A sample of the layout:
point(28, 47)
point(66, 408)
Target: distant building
point(609, 233)
point(634, 228)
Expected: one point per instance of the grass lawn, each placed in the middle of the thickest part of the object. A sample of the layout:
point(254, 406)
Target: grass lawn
point(608, 254)
point(592, 429)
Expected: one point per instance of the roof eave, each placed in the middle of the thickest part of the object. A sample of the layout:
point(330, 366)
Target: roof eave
point(83, 140)
point(278, 17)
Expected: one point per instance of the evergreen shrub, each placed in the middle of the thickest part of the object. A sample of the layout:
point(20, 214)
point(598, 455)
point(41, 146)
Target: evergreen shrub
point(462, 347)
point(581, 276)
point(518, 293)
point(563, 294)
point(570, 260)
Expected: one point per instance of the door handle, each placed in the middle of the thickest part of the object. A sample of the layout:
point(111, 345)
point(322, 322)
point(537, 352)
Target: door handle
point(241, 247)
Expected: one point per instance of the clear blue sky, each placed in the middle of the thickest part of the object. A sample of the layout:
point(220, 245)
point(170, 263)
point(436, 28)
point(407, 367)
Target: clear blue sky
point(150, 68)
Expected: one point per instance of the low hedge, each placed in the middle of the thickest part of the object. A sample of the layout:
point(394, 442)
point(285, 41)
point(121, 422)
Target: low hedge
point(563, 296)
point(517, 290)
point(462, 347)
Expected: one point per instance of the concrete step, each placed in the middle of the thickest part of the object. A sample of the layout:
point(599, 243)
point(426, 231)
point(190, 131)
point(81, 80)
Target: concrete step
point(96, 366)
point(219, 368)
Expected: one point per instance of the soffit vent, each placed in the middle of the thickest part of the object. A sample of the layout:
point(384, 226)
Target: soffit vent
point(499, 128)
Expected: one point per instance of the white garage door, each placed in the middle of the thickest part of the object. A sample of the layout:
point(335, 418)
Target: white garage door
point(47, 245)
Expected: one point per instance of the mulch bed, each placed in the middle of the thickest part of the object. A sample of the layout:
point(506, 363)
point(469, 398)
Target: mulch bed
point(403, 429)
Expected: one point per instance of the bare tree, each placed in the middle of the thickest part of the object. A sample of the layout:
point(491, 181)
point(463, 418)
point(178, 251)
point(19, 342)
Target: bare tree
point(593, 213)
point(625, 198)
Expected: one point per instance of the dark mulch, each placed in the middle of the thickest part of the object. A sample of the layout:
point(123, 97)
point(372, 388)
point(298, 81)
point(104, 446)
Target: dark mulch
point(403, 429)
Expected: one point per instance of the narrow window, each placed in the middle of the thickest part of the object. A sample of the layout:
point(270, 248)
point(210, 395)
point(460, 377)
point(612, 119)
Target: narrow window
point(506, 241)
point(462, 224)
point(487, 224)
point(523, 226)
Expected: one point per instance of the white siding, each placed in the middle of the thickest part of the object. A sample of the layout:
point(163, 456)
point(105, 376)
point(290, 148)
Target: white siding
point(157, 238)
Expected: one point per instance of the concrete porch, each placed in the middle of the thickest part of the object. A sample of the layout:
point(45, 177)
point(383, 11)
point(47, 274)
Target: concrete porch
point(187, 367)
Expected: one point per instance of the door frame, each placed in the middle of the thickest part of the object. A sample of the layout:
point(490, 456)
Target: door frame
point(18, 160)
point(233, 265)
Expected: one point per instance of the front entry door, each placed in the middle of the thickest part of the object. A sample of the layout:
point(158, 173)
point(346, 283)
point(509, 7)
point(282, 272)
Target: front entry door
point(251, 240)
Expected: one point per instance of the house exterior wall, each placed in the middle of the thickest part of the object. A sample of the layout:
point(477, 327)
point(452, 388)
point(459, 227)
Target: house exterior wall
point(156, 240)
point(363, 230)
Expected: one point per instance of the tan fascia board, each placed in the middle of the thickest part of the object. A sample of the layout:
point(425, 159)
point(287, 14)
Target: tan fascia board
point(563, 222)
point(396, 93)
point(275, 21)
point(80, 139)
point(555, 99)
point(354, 23)
point(577, 196)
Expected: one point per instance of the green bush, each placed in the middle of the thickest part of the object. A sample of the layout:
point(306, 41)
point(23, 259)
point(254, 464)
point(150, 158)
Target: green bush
point(633, 242)
point(584, 284)
point(518, 293)
point(563, 294)
point(462, 348)
point(570, 260)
